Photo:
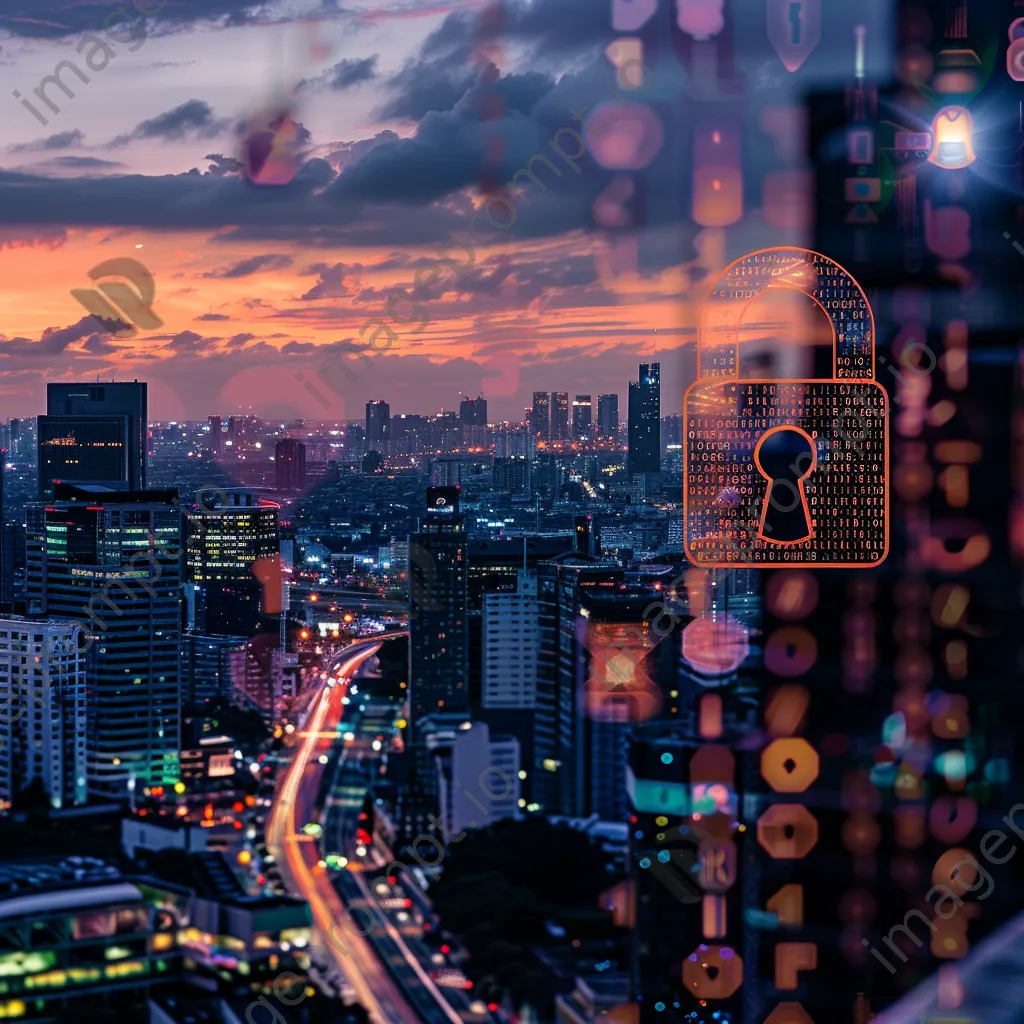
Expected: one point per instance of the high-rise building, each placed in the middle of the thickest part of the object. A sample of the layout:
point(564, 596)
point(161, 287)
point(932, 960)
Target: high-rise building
point(110, 561)
point(438, 574)
point(42, 710)
point(582, 418)
point(94, 433)
point(510, 642)
point(559, 415)
point(216, 434)
point(478, 779)
point(608, 415)
point(540, 416)
point(559, 754)
point(378, 425)
point(645, 421)
point(222, 546)
point(473, 412)
point(290, 465)
point(212, 666)
point(512, 475)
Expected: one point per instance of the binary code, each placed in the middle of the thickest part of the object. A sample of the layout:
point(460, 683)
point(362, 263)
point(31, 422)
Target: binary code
point(726, 494)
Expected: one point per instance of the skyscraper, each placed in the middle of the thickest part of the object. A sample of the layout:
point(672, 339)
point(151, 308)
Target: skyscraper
point(438, 638)
point(378, 425)
point(222, 546)
point(42, 710)
point(607, 415)
point(109, 561)
point(290, 465)
point(559, 415)
point(582, 418)
point(540, 416)
point(473, 412)
point(94, 433)
point(645, 421)
point(216, 434)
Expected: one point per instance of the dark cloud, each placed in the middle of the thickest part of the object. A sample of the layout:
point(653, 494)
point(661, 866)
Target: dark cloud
point(55, 340)
point(30, 238)
point(252, 265)
point(222, 165)
point(191, 119)
point(78, 163)
point(345, 74)
point(62, 140)
point(212, 316)
point(331, 284)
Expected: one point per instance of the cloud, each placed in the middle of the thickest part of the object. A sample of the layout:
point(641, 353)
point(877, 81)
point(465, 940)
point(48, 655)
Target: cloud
point(252, 265)
point(62, 140)
point(55, 340)
point(213, 316)
point(345, 74)
point(331, 284)
point(31, 238)
point(193, 118)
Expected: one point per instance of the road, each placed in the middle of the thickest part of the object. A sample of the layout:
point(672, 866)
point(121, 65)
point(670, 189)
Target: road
point(298, 856)
point(398, 943)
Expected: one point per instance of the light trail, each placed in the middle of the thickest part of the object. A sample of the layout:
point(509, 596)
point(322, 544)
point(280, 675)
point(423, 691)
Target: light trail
point(374, 988)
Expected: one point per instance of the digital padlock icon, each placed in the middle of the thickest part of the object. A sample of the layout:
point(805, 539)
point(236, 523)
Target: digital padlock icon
point(779, 471)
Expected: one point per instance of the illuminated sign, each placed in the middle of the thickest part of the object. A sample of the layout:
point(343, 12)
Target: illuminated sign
point(126, 574)
point(443, 501)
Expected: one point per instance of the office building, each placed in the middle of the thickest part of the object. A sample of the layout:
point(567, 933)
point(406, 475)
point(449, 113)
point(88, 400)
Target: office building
point(512, 475)
point(510, 641)
point(438, 576)
point(110, 561)
point(216, 435)
point(473, 417)
point(98, 950)
point(608, 416)
point(409, 434)
point(559, 415)
point(645, 421)
point(42, 710)
point(582, 422)
point(290, 466)
point(222, 547)
point(473, 412)
point(93, 433)
point(477, 779)
point(540, 416)
point(378, 425)
point(212, 666)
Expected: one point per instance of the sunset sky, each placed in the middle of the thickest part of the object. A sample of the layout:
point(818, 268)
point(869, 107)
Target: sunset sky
point(255, 284)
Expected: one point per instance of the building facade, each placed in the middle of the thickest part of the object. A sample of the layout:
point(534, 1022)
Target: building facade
point(110, 561)
point(42, 710)
point(645, 421)
point(510, 642)
point(94, 433)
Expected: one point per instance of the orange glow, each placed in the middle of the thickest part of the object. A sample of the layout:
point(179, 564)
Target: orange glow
point(244, 857)
point(954, 146)
point(304, 635)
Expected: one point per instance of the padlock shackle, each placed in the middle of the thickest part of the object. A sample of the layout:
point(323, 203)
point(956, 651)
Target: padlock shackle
point(832, 288)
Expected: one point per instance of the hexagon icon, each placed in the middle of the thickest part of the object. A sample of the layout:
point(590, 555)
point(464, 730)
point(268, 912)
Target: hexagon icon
point(712, 972)
point(789, 765)
point(787, 831)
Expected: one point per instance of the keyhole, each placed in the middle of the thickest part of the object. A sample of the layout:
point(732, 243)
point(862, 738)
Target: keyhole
point(785, 456)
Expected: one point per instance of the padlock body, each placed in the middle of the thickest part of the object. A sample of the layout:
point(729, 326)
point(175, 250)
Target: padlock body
point(846, 492)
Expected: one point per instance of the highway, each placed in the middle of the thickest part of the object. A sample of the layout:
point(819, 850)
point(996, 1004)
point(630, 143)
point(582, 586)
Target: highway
point(297, 854)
